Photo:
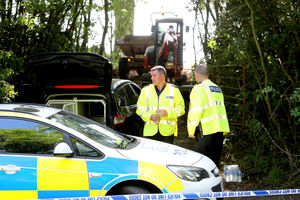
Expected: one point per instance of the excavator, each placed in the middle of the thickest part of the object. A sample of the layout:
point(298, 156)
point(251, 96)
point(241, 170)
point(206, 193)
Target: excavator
point(163, 47)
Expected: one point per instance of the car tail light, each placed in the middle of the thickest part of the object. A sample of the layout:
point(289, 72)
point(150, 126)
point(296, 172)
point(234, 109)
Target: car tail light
point(119, 120)
point(129, 59)
point(76, 86)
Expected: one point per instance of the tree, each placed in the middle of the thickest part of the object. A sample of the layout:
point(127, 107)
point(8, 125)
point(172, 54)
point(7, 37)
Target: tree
point(30, 27)
point(123, 11)
point(105, 28)
point(264, 36)
point(207, 14)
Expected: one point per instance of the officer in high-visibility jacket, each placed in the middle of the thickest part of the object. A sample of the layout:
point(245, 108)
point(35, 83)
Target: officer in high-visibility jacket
point(207, 108)
point(159, 105)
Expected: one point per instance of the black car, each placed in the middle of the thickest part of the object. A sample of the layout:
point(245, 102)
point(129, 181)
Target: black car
point(82, 83)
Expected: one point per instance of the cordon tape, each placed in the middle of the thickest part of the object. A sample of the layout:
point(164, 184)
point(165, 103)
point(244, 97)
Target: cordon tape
point(177, 196)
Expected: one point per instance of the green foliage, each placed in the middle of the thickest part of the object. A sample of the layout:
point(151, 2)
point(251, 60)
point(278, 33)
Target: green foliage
point(295, 105)
point(268, 90)
point(123, 12)
point(6, 91)
point(29, 140)
point(30, 27)
point(263, 35)
point(10, 65)
point(276, 176)
point(212, 43)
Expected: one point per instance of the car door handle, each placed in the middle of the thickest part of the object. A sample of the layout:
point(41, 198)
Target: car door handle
point(94, 175)
point(10, 169)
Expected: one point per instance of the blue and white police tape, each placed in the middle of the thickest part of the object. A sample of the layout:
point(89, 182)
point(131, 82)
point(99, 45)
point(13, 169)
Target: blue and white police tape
point(177, 196)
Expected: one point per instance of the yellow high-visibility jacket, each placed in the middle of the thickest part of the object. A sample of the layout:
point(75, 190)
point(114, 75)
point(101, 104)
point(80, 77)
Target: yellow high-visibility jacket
point(207, 106)
point(170, 100)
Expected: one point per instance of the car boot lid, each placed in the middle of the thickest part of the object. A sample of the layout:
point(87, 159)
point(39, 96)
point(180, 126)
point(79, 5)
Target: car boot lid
point(69, 70)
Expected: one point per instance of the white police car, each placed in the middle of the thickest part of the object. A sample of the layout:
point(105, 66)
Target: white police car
point(50, 153)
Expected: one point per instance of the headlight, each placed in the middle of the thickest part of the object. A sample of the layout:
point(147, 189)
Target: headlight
point(189, 173)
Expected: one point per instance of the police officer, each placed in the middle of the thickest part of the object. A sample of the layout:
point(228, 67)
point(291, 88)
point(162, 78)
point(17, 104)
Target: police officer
point(207, 108)
point(159, 105)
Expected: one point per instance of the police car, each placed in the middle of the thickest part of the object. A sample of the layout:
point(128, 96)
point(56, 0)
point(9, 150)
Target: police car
point(50, 153)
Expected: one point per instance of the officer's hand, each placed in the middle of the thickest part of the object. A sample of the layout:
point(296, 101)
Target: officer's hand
point(192, 136)
point(162, 113)
point(155, 118)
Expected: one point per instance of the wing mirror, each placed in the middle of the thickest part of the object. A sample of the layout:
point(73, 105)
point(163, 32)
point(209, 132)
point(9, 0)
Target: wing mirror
point(63, 150)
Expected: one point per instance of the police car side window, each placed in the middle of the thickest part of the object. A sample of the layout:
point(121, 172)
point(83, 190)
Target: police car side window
point(24, 136)
point(84, 150)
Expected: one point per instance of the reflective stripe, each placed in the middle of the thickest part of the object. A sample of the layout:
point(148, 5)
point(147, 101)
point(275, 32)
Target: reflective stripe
point(142, 113)
point(168, 122)
point(150, 123)
point(172, 95)
point(147, 96)
point(163, 122)
point(152, 108)
point(141, 107)
point(178, 112)
point(163, 107)
point(206, 87)
point(193, 123)
point(219, 103)
point(200, 109)
point(213, 118)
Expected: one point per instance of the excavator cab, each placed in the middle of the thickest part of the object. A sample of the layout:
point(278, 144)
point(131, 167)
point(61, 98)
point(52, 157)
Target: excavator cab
point(168, 46)
point(163, 47)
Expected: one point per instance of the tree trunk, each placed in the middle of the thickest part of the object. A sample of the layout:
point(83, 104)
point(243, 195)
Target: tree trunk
point(105, 29)
point(87, 24)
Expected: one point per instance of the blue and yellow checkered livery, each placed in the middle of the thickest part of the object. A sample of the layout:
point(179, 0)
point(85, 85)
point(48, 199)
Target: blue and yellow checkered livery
point(52, 177)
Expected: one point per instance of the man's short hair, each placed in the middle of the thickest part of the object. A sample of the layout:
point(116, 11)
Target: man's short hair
point(160, 69)
point(202, 70)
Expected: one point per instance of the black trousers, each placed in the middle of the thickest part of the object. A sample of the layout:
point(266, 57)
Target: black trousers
point(159, 137)
point(210, 145)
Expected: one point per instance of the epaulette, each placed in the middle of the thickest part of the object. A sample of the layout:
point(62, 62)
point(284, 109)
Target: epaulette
point(175, 86)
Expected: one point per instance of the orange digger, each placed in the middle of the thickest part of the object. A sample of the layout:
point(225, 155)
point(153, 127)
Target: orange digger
point(163, 47)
